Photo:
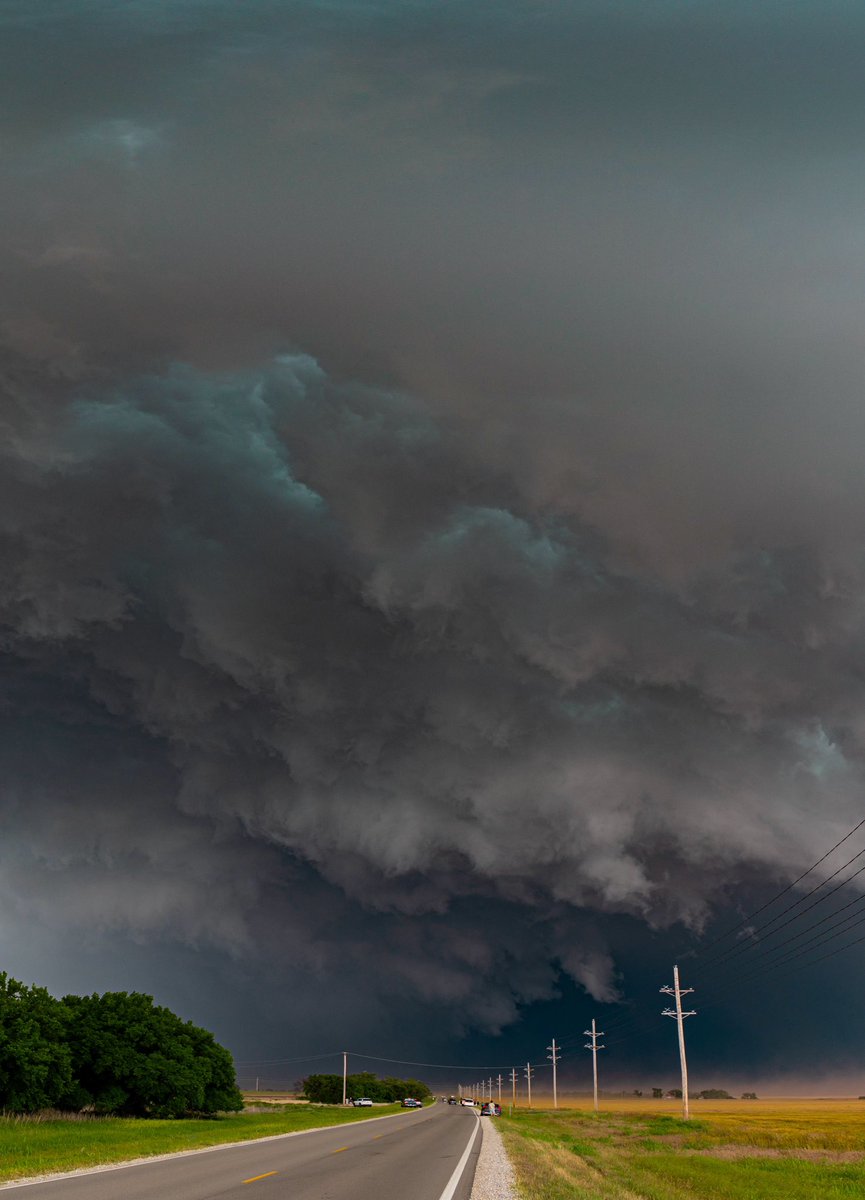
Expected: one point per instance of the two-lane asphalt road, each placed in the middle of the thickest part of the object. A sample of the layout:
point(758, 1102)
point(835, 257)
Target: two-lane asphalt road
point(427, 1154)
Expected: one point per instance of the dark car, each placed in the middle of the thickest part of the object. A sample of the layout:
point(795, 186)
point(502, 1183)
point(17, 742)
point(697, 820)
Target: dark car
point(410, 1102)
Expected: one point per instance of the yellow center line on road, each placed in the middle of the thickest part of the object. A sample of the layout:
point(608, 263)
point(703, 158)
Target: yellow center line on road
point(266, 1175)
point(340, 1150)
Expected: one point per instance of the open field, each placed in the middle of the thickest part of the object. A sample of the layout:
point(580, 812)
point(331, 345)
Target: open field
point(40, 1146)
point(730, 1150)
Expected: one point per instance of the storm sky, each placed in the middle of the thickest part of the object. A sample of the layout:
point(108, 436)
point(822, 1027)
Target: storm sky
point(432, 516)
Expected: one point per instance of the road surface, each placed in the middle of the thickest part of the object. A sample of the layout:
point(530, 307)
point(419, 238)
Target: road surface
point(422, 1154)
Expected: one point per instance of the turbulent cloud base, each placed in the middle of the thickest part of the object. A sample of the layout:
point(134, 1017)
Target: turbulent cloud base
point(266, 630)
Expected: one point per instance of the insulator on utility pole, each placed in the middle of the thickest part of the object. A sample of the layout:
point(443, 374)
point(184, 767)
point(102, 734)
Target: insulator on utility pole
point(594, 1047)
point(678, 991)
point(529, 1071)
point(514, 1086)
point(554, 1057)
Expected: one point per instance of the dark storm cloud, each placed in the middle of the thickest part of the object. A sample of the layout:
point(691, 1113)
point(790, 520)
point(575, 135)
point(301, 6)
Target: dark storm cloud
point(499, 548)
point(343, 644)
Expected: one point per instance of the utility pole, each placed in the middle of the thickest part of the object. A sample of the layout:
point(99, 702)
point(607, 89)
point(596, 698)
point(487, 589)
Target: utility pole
point(679, 992)
point(490, 1092)
point(256, 1083)
point(344, 1074)
point(554, 1058)
point(514, 1086)
point(500, 1091)
point(594, 1047)
point(529, 1071)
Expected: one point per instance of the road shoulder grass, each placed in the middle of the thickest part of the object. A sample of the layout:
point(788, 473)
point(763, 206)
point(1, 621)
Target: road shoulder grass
point(53, 1144)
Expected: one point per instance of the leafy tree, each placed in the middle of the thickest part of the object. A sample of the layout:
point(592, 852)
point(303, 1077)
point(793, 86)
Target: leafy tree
point(657, 1093)
point(327, 1089)
point(35, 1062)
point(714, 1094)
point(134, 1058)
point(749, 1095)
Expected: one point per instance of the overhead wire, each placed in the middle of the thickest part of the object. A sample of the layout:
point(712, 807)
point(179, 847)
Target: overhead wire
point(734, 951)
point(783, 892)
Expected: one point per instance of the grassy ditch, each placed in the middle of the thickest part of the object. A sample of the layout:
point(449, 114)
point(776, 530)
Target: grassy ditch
point(758, 1152)
point(48, 1143)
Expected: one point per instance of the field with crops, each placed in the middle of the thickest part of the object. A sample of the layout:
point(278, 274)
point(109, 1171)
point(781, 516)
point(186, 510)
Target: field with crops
point(729, 1150)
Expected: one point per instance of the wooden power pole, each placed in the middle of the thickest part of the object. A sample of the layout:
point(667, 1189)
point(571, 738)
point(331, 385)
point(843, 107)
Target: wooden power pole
point(678, 992)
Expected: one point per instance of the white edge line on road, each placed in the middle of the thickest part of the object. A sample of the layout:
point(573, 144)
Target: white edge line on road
point(155, 1158)
point(451, 1185)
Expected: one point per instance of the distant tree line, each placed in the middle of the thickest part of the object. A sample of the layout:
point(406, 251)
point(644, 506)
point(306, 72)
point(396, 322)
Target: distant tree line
point(706, 1094)
point(327, 1089)
point(116, 1054)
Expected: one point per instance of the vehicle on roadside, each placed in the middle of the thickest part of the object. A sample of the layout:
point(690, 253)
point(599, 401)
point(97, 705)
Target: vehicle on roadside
point(363, 1102)
point(468, 1102)
point(410, 1102)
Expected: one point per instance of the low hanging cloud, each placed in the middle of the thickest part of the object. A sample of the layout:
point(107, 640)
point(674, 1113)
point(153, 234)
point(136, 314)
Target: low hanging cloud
point(295, 650)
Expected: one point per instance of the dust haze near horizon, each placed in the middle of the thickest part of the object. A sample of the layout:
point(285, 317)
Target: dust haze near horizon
point(431, 512)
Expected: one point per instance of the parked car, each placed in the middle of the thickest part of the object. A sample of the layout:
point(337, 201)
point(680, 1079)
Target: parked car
point(486, 1110)
point(469, 1103)
point(363, 1102)
point(410, 1102)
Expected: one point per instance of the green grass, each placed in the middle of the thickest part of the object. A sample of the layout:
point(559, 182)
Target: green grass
point(736, 1154)
point(42, 1146)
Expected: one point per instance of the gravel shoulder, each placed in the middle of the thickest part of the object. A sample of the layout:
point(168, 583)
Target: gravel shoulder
point(494, 1175)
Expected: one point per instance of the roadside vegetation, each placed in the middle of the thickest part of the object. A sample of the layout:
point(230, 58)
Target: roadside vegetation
point(118, 1054)
point(749, 1150)
point(47, 1143)
point(327, 1089)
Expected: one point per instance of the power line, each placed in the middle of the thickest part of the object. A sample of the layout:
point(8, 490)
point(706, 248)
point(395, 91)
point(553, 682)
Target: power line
point(443, 1066)
point(282, 1062)
point(723, 959)
point(783, 892)
point(770, 950)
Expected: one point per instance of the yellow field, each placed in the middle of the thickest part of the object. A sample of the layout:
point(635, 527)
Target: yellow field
point(640, 1149)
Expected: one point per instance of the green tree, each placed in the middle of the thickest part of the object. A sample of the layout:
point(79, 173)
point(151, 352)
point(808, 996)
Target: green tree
point(134, 1058)
point(327, 1089)
point(35, 1062)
